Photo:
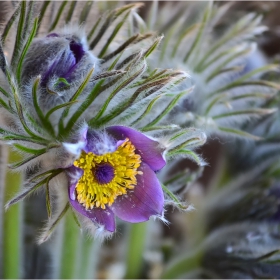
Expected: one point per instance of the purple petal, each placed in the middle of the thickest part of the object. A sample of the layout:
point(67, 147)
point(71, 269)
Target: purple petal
point(64, 65)
point(145, 200)
point(52, 35)
point(148, 149)
point(104, 217)
point(77, 50)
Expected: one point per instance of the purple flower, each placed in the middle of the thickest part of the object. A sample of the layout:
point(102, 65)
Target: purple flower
point(66, 62)
point(115, 176)
point(56, 56)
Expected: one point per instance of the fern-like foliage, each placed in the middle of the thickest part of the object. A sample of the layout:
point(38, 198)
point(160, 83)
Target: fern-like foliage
point(229, 89)
point(44, 116)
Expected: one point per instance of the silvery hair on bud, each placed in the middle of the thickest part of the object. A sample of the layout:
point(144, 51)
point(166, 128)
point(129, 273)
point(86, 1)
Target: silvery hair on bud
point(52, 57)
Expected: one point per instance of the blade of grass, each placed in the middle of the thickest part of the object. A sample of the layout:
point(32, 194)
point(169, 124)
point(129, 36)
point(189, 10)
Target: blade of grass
point(51, 111)
point(38, 110)
point(71, 11)
point(26, 47)
point(9, 24)
point(193, 141)
point(19, 108)
point(102, 30)
point(127, 103)
point(47, 234)
point(70, 247)
point(2, 59)
point(173, 197)
point(74, 98)
point(246, 83)
point(29, 17)
point(148, 109)
point(189, 31)
point(120, 48)
point(190, 155)
point(19, 34)
point(113, 35)
point(33, 179)
point(3, 170)
point(4, 92)
point(112, 16)
point(95, 91)
point(168, 108)
point(48, 200)
point(30, 190)
point(85, 12)
point(12, 241)
point(183, 264)
point(115, 92)
point(204, 21)
point(254, 111)
point(240, 27)
point(88, 260)
point(233, 55)
point(92, 31)
point(239, 133)
point(28, 150)
point(135, 250)
point(59, 13)
point(42, 13)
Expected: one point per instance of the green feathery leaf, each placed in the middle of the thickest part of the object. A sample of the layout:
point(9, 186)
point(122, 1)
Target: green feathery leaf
point(58, 15)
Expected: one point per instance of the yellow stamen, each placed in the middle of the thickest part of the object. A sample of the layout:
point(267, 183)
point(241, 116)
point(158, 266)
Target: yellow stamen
point(90, 192)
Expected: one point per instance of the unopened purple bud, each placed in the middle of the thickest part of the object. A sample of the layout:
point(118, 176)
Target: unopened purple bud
point(62, 60)
point(57, 56)
point(65, 64)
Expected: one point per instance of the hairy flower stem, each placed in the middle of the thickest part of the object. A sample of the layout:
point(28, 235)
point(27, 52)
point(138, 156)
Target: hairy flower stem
point(12, 235)
point(69, 248)
point(135, 250)
point(183, 265)
point(3, 167)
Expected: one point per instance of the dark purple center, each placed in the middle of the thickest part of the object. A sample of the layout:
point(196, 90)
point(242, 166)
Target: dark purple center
point(64, 65)
point(103, 173)
point(77, 50)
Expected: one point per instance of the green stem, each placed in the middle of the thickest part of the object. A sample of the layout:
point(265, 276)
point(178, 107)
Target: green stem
point(12, 236)
point(136, 244)
point(183, 265)
point(3, 167)
point(69, 247)
point(87, 258)
point(56, 250)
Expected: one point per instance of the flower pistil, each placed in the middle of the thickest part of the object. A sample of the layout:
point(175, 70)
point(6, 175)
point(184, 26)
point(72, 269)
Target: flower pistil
point(107, 176)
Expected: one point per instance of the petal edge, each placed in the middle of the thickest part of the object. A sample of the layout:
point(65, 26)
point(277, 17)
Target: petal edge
point(99, 216)
point(144, 201)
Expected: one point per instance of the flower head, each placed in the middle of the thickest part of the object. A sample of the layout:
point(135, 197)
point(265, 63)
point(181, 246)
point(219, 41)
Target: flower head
point(115, 175)
point(62, 59)
point(62, 93)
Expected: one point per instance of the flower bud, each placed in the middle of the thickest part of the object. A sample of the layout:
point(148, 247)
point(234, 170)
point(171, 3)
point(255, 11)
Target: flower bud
point(62, 60)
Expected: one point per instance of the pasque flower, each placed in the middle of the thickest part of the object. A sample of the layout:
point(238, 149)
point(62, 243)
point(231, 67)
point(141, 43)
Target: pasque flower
point(62, 60)
point(115, 176)
point(61, 92)
point(63, 56)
